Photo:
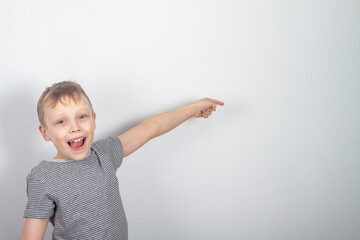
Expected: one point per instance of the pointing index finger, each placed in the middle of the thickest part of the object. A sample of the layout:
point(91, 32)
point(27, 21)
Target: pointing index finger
point(216, 101)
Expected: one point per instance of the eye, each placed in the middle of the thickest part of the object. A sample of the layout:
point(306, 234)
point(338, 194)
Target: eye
point(82, 116)
point(60, 122)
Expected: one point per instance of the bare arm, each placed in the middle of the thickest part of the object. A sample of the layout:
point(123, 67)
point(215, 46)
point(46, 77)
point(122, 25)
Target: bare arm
point(163, 123)
point(34, 229)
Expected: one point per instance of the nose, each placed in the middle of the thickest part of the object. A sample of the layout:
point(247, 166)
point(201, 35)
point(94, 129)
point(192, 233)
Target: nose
point(75, 127)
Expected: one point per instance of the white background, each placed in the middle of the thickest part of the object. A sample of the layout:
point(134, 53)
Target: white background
point(280, 160)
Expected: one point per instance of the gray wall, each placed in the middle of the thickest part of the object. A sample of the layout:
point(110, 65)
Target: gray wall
point(279, 161)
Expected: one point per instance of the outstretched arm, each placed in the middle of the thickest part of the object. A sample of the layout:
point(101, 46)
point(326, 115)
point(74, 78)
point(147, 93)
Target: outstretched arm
point(163, 123)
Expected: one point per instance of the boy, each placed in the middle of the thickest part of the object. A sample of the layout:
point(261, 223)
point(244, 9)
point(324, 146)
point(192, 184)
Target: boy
point(78, 190)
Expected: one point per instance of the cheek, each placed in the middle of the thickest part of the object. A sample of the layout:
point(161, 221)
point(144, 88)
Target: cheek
point(58, 136)
point(56, 139)
point(91, 126)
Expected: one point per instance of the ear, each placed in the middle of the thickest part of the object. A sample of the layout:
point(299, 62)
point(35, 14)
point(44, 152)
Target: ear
point(43, 133)
point(94, 116)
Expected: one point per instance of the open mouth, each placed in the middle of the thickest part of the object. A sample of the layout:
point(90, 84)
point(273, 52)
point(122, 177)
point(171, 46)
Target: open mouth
point(77, 144)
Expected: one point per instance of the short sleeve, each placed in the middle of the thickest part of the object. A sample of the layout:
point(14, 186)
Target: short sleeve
point(111, 148)
point(39, 204)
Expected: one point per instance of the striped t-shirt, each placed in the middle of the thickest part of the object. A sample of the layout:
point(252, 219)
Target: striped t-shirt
point(81, 198)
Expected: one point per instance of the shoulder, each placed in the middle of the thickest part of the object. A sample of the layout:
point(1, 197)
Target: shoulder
point(109, 149)
point(107, 142)
point(109, 145)
point(41, 171)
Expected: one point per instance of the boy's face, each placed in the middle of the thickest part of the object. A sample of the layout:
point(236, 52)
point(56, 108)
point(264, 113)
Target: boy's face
point(70, 127)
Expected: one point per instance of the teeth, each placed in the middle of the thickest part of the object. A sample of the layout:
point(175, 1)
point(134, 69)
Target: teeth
point(78, 140)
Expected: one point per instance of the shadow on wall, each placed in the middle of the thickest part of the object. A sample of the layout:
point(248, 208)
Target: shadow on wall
point(19, 137)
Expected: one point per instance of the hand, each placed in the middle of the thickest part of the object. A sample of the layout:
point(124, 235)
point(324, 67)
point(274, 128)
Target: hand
point(206, 106)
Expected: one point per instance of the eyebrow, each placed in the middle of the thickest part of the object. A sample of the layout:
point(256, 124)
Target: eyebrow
point(84, 109)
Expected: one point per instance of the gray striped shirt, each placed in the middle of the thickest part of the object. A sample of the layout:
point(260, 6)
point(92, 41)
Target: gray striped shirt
point(81, 198)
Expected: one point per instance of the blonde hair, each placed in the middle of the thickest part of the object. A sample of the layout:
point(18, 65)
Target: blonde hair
point(56, 93)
